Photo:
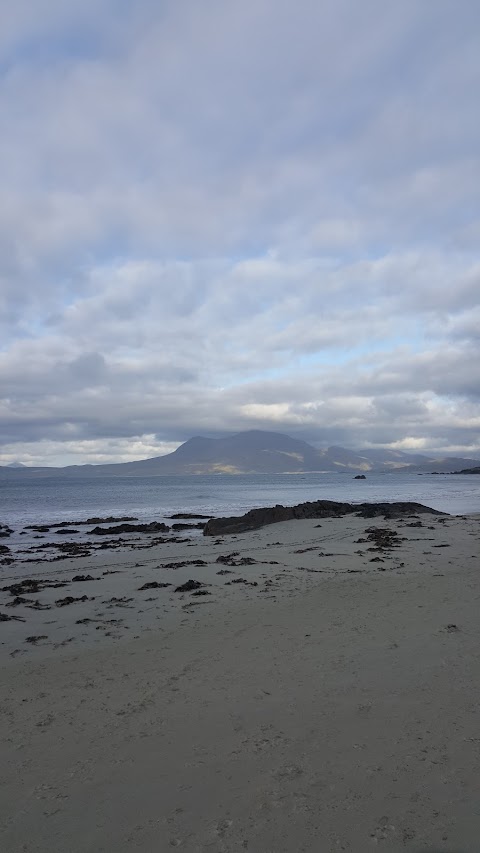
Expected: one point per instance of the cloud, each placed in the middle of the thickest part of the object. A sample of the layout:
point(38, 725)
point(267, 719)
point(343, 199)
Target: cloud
point(232, 215)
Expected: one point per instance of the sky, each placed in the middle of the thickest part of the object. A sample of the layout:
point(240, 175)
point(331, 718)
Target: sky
point(218, 216)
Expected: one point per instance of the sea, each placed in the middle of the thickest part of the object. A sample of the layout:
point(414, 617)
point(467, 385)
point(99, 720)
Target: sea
point(49, 500)
point(52, 501)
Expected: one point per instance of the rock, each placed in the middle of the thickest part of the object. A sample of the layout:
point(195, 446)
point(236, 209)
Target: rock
point(185, 526)
point(111, 519)
point(153, 527)
point(154, 585)
point(360, 477)
point(79, 578)
point(5, 617)
point(201, 592)
point(4, 549)
point(188, 515)
point(256, 518)
point(5, 530)
point(35, 640)
point(242, 580)
point(182, 563)
point(189, 586)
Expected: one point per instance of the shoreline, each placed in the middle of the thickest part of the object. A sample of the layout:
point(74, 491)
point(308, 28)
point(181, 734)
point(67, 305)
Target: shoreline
point(327, 702)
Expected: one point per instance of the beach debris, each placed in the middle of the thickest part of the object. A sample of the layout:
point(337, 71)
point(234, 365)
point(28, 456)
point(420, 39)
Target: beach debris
point(304, 550)
point(383, 538)
point(189, 586)
point(81, 578)
point(31, 585)
point(231, 560)
point(5, 617)
point(38, 605)
point(35, 639)
point(71, 549)
point(69, 599)
point(183, 563)
point(18, 600)
point(153, 585)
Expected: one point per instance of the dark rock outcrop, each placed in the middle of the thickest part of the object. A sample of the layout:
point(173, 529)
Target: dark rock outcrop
point(360, 477)
point(256, 518)
point(188, 516)
point(44, 528)
point(153, 527)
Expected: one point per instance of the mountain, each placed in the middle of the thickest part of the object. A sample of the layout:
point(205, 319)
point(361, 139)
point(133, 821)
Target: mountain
point(255, 451)
point(445, 465)
point(475, 470)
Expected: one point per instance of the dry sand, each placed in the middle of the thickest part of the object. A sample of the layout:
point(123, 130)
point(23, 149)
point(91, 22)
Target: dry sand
point(334, 706)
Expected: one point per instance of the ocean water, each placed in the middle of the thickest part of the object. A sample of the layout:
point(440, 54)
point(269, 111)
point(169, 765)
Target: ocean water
point(154, 498)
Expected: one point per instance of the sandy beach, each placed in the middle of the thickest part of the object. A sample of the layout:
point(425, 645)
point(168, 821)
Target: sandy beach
point(315, 688)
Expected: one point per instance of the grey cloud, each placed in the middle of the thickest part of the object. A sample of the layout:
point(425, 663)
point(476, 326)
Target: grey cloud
point(239, 215)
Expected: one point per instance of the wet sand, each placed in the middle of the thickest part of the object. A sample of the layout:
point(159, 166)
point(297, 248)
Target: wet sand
point(326, 700)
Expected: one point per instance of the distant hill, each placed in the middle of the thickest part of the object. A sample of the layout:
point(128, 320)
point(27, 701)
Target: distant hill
point(254, 451)
point(475, 470)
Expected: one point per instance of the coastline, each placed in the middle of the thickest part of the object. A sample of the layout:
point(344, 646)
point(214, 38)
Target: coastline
point(325, 701)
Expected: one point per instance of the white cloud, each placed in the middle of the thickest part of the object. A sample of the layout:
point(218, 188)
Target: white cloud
point(233, 215)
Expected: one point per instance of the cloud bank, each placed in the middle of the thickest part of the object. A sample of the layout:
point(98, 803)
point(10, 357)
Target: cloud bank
point(221, 216)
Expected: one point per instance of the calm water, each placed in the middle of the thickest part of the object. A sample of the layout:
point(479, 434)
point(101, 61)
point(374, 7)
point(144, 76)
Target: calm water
point(153, 498)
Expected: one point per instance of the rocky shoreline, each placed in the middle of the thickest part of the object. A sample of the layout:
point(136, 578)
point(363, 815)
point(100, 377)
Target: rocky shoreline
point(256, 518)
